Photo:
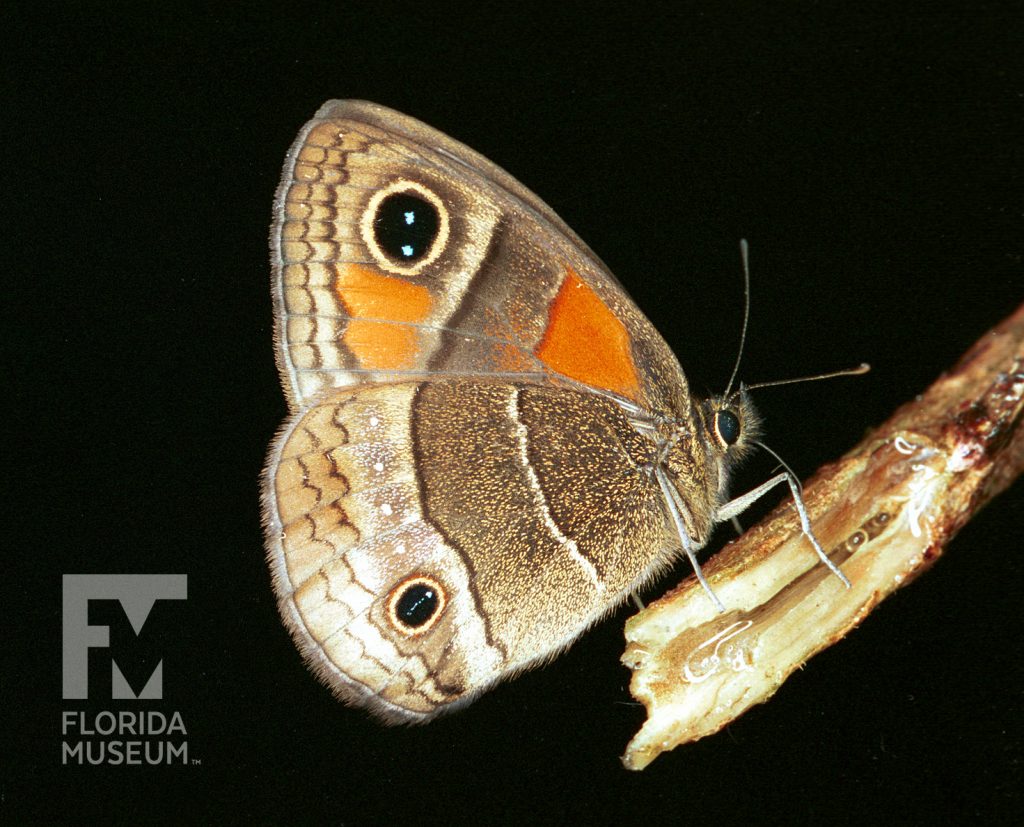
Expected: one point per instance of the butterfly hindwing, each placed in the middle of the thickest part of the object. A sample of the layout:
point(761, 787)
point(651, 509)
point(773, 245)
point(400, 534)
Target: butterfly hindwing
point(490, 497)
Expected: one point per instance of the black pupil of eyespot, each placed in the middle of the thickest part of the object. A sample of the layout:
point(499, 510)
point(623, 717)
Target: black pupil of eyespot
point(416, 605)
point(728, 426)
point(405, 226)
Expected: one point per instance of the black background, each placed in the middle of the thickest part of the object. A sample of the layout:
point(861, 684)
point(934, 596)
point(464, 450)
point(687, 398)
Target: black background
point(873, 160)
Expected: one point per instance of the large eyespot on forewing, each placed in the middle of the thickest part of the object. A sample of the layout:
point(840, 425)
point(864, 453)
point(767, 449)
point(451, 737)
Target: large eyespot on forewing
point(405, 226)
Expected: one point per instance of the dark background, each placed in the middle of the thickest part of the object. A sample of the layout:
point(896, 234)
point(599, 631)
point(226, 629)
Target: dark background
point(873, 160)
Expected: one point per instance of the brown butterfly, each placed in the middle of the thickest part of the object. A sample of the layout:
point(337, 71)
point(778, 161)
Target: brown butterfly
point(489, 445)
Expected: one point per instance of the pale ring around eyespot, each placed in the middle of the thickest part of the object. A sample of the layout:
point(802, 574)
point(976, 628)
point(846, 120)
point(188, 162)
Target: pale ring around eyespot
point(386, 262)
point(399, 591)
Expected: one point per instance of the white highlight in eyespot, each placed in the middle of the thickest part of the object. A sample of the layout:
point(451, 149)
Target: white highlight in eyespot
point(378, 467)
point(386, 509)
point(374, 421)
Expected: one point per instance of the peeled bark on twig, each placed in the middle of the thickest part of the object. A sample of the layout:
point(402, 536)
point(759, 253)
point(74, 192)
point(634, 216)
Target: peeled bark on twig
point(885, 511)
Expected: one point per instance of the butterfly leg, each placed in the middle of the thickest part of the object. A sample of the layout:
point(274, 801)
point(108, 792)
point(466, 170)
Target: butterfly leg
point(670, 495)
point(741, 503)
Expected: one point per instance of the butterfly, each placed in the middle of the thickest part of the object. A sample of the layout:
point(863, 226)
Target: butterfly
point(489, 445)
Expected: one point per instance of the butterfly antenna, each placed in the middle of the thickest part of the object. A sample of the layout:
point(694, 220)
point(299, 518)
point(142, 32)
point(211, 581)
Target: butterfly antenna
point(862, 368)
point(745, 256)
point(781, 462)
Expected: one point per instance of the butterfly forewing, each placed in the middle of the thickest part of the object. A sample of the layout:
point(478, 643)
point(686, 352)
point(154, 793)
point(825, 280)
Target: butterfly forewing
point(506, 289)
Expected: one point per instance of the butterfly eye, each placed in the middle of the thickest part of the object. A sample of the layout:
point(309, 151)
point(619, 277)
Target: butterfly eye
point(727, 428)
point(406, 226)
point(416, 604)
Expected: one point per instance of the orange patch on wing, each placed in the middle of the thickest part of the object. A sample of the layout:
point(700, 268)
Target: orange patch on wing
point(373, 300)
point(584, 340)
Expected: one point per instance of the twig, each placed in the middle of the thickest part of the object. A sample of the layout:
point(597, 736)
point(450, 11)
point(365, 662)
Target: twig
point(885, 511)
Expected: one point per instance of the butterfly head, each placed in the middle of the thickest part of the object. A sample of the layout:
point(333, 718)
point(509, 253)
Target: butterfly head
point(733, 427)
